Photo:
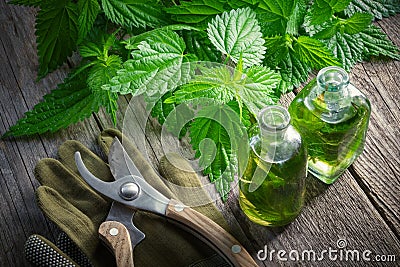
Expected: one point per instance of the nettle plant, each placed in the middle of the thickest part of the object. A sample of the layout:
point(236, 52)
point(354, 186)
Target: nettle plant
point(265, 49)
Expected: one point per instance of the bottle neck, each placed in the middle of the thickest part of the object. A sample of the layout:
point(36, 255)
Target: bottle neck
point(331, 96)
point(273, 122)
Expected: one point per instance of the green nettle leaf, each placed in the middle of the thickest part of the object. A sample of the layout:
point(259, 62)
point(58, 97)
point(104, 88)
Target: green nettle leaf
point(214, 83)
point(156, 67)
point(357, 23)
point(322, 10)
point(176, 118)
point(88, 11)
point(237, 35)
point(132, 42)
point(277, 49)
point(293, 70)
point(198, 44)
point(347, 49)
point(197, 11)
point(216, 134)
point(255, 87)
point(34, 3)
point(71, 102)
point(296, 18)
point(138, 13)
point(57, 33)
point(275, 15)
point(376, 43)
point(100, 74)
point(377, 8)
point(258, 88)
point(314, 53)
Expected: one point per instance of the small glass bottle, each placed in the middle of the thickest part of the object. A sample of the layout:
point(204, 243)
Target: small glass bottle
point(332, 117)
point(273, 184)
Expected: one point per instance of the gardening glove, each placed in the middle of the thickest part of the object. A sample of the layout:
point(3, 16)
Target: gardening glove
point(78, 211)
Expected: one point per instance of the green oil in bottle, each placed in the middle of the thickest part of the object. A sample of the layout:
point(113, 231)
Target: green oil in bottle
point(332, 117)
point(273, 184)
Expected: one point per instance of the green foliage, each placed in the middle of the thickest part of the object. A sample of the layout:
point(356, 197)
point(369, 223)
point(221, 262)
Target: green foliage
point(88, 11)
point(34, 3)
point(216, 134)
point(138, 13)
point(197, 11)
point(57, 33)
point(266, 48)
point(245, 39)
point(156, 66)
point(377, 8)
point(71, 102)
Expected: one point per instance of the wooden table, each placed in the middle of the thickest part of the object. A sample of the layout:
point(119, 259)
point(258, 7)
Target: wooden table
point(361, 208)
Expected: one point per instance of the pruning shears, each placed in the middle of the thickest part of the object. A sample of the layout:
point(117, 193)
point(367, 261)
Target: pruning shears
point(131, 192)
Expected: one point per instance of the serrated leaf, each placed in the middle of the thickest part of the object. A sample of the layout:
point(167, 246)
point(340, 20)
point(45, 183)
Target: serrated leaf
point(237, 35)
point(255, 87)
point(277, 49)
point(376, 43)
point(326, 30)
point(88, 11)
point(101, 74)
point(215, 83)
point(198, 44)
point(157, 66)
point(197, 11)
point(34, 3)
point(347, 49)
point(296, 19)
point(322, 10)
point(176, 118)
point(71, 102)
point(258, 88)
point(133, 42)
point(314, 53)
point(216, 134)
point(274, 16)
point(57, 33)
point(357, 23)
point(377, 8)
point(134, 13)
point(293, 71)
point(97, 44)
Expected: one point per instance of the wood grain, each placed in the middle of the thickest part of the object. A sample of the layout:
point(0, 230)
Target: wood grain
point(117, 237)
point(211, 232)
point(362, 207)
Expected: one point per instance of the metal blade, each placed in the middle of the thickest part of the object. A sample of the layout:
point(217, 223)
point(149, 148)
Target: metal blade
point(145, 198)
point(117, 162)
point(122, 165)
point(124, 215)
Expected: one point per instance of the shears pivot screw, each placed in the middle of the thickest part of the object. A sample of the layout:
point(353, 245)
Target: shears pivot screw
point(129, 191)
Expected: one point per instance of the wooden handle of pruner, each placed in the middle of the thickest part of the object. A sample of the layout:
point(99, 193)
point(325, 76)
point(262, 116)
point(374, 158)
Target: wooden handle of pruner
point(215, 234)
point(115, 235)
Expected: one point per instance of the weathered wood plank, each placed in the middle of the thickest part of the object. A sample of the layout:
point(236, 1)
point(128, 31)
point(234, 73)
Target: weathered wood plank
point(20, 216)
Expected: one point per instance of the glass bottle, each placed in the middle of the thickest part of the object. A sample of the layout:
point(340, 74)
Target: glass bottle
point(273, 184)
point(332, 117)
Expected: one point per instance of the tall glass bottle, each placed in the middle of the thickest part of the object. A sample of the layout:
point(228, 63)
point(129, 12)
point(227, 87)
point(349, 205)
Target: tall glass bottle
point(332, 117)
point(273, 184)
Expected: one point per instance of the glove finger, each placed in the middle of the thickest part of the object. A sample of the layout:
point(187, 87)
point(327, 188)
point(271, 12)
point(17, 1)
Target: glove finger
point(179, 172)
point(105, 140)
point(68, 218)
point(52, 174)
point(94, 163)
point(43, 253)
